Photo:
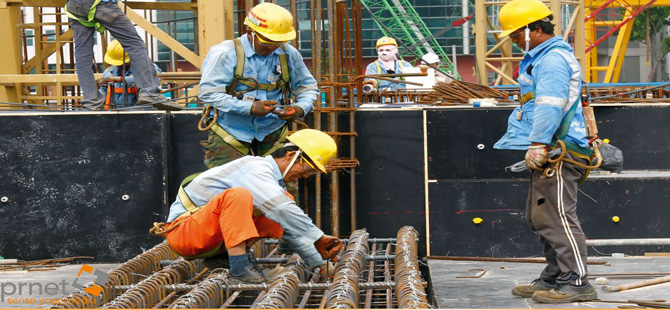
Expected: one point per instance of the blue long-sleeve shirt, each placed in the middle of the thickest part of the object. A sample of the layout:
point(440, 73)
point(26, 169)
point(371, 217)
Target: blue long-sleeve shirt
point(552, 73)
point(377, 68)
point(130, 80)
point(234, 113)
point(261, 176)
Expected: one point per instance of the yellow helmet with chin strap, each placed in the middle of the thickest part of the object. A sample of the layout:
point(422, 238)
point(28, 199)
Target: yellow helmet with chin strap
point(114, 54)
point(519, 13)
point(319, 147)
point(271, 21)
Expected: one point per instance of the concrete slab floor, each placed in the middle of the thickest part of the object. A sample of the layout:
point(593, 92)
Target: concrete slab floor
point(493, 289)
point(36, 289)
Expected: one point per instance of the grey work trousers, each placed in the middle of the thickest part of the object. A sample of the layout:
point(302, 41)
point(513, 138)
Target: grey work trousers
point(109, 15)
point(551, 212)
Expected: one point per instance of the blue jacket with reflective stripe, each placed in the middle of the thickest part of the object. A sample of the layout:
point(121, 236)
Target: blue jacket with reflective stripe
point(218, 71)
point(552, 72)
point(376, 68)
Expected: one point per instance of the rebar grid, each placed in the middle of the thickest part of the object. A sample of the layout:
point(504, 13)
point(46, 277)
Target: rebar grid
point(366, 276)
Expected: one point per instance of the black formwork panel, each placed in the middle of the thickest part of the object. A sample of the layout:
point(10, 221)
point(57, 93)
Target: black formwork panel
point(186, 155)
point(390, 189)
point(81, 184)
point(640, 201)
point(456, 137)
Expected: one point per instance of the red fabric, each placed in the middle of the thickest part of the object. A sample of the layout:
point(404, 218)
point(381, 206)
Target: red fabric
point(228, 218)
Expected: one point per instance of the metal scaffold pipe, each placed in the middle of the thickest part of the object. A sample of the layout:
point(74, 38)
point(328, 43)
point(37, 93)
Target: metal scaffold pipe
point(615, 242)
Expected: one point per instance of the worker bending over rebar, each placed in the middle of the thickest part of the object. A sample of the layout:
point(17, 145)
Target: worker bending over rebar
point(226, 209)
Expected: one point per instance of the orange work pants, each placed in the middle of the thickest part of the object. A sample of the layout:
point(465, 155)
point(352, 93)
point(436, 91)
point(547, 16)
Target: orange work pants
point(228, 219)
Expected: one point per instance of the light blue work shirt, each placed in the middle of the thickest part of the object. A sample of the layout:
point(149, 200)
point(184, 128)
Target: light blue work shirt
point(261, 177)
point(551, 71)
point(376, 67)
point(130, 80)
point(218, 71)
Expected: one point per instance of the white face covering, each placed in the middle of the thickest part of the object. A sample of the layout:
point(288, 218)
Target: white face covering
point(387, 56)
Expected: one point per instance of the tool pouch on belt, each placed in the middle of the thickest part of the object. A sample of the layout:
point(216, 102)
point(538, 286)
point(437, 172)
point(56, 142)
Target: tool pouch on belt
point(80, 8)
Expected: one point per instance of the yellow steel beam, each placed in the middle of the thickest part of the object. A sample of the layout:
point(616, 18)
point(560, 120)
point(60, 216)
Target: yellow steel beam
point(173, 6)
point(47, 51)
point(211, 24)
point(616, 61)
point(10, 53)
point(163, 37)
point(66, 79)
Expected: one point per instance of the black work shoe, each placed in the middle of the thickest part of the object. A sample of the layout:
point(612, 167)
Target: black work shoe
point(159, 102)
point(527, 290)
point(215, 262)
point(252, 275)
point(566, 293)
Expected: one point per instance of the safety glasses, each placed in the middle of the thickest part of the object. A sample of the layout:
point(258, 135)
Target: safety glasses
point(516, 34)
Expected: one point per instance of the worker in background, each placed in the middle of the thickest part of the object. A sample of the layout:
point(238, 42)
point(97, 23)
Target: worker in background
point(550, 81)
point(250, 81)
point(114, 91)
point(387, 63)
point(87, 16)
point(226, 209)
point(434, 60)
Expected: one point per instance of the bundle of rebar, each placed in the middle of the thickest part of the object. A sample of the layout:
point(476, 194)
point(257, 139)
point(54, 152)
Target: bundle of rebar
point(207, 294)
point(459, 92)
point(344, 290)
point(284, 290)
point(127, 273)
point(409, 287)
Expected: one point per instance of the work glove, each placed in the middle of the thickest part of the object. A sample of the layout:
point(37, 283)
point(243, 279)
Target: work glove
point(536, 157)
point(369, 86)
point(291, 113)
point(328, 247)
point(326, 271)
point(263, 107)
point(105, 80)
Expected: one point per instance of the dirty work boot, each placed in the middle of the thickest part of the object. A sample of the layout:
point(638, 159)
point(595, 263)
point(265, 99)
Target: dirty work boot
point(527, 290)
point(252, 275)
point(218, 261)
point(270, 274)
point(159, 102)
point(566, 293)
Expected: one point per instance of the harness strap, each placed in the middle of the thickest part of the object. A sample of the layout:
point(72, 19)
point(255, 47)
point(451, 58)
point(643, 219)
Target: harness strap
point(228, 138)
point(239, 70)
point(90, 19)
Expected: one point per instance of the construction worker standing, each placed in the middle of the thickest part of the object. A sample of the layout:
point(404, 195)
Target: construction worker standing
point(387, 63)
point(250, 82)
point(229, 207)
point(117, 94)
point(87, 16)
point(550, 81)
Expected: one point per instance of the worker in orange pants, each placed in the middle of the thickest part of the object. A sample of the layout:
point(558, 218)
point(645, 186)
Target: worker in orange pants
point(228, 207)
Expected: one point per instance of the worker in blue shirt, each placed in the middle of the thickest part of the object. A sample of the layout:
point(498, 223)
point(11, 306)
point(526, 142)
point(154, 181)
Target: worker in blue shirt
point(249, 82)
point(387, 63)
point(118, 95)
point(227, 208)
point(550, 116)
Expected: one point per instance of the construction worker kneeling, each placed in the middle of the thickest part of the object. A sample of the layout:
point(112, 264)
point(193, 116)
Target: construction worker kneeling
point(228, 208)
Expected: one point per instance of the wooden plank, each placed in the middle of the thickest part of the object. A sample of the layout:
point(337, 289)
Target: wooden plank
point(10, 79)
point(163, 37)
point(8, 261)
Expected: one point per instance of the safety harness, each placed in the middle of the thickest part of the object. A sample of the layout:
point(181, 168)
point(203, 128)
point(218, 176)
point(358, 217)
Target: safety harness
point(112, 89)
point(282, 83)
point(83, 11)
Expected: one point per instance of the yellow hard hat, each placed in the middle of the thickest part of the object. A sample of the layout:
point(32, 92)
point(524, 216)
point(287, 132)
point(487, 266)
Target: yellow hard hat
point(114, 54)
point(271, 21)
point(317, 145)
point(386, 41)
point(519, 13)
